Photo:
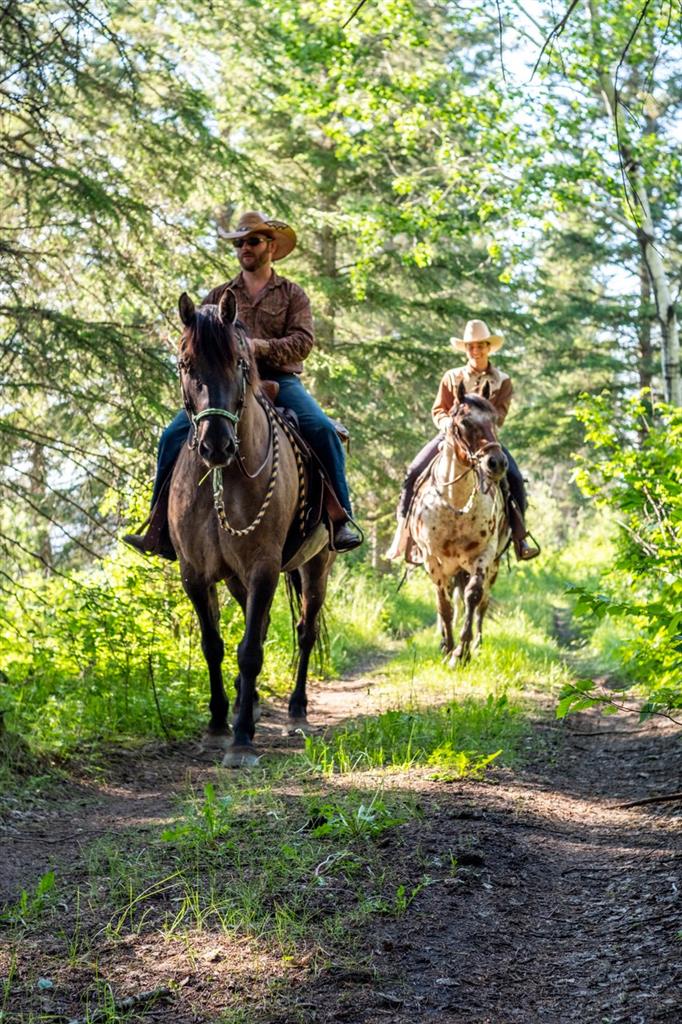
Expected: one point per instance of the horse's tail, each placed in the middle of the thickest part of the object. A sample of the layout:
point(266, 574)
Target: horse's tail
point(322, 648)
point(294, 585)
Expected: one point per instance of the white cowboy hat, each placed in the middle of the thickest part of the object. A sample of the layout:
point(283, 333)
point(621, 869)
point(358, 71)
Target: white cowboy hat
point(253, 222)
point(477, 330)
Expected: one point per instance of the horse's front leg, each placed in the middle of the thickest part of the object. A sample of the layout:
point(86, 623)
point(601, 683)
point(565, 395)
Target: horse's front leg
point(473, 594)
point(238, 591)
point(260, 592)
point(313, 591)
point(205, 600)
point(480, 615)
point(445, 615)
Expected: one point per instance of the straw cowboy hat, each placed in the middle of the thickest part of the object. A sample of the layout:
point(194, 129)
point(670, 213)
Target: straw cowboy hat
point(477, 330)
point(253, 222)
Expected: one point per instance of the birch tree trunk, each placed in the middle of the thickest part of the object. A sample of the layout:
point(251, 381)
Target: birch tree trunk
point(645, 365)
point(644, 226)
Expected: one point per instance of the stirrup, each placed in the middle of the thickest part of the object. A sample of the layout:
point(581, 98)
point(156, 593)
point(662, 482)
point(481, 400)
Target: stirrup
point(524, 551)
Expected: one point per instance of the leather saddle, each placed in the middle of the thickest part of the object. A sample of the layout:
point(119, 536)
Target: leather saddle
point(322, 506)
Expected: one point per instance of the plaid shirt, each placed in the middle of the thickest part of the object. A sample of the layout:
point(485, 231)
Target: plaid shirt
point(500, 391)
point(279, 319)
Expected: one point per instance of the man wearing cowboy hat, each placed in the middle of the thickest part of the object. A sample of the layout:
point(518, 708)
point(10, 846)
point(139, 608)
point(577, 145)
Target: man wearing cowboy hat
point(478, 343)
point(278, 320)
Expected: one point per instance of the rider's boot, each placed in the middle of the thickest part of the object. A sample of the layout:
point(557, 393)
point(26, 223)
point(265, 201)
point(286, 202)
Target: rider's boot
point(522, 549)
point(346, 536)
point(156, 538)
point(399, 542)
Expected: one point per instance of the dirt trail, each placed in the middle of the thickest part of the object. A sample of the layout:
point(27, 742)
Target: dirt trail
point(563, 909)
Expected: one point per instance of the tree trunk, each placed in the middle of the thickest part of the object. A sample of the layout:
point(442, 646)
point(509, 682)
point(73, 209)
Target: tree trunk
point(645, 364)
point(38, 491)
point(328, 198)
point(650, 245)
point(665, 304)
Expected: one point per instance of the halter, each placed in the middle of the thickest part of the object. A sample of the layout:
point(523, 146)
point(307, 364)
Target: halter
point(234, 417)
point(474, 459)
point(243, 366)
point(244, 370)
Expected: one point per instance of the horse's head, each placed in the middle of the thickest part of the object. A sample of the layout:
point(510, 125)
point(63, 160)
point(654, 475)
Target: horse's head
point(216, 367)
point(471, 432)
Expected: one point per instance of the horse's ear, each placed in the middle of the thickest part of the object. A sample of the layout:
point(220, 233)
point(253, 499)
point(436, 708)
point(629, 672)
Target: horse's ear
point(461, 392)
point(485, 393)
point(227, 307)
point(186, 307)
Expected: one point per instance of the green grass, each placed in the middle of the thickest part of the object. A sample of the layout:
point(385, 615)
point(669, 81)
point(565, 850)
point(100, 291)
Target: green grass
point(122, 661)
point(245, 857)
point(458, 739)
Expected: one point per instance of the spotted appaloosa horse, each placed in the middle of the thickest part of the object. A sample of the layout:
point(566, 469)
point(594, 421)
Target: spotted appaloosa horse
point(458, 519)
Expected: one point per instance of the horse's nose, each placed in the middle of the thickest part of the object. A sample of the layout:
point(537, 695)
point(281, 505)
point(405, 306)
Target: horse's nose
point(217, 451)
point(496, 464)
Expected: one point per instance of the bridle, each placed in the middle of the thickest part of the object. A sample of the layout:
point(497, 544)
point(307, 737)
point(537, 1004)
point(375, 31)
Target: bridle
point(244, 370)
point(472, 458)
point(473, 461)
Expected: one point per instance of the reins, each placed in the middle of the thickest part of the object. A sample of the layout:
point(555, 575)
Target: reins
point(218, 483)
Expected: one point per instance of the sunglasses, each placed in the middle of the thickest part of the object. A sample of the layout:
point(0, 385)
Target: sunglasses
point(252, 241)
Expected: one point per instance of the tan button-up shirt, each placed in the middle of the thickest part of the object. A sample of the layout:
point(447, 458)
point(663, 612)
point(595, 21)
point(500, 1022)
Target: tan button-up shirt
point(279, 317)
point(500, 391)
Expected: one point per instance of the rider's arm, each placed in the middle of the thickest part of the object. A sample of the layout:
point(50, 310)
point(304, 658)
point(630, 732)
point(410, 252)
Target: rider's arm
point(501, 399)
point(445, 399)
point(298, 338)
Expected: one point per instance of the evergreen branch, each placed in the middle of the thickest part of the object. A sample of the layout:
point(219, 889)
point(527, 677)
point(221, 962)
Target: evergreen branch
point(61, 496)
point(50, 519)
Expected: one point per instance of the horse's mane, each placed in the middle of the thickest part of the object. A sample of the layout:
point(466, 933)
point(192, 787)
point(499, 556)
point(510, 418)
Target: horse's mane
point(215, 344)
point(479, 402)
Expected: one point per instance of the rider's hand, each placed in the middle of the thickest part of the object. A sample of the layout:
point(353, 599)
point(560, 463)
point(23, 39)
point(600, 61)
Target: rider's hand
point(260, 347)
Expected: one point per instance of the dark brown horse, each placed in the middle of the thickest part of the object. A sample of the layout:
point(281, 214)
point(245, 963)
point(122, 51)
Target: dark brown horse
point(233, 527)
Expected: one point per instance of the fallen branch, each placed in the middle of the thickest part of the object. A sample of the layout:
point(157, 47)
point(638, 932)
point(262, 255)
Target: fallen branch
point(356, 10)
point(662, 798)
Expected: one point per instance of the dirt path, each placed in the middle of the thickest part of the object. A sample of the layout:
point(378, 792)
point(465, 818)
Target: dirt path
point(562, 909)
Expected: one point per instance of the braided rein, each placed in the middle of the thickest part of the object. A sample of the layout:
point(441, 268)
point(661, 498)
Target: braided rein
point(217, 481)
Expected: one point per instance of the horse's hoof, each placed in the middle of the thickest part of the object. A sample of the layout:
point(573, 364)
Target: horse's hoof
point(212, 741)
point(459, 657)
point(240, 757)
point(297, 727)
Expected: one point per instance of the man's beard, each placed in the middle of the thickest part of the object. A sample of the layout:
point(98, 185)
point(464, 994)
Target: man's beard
point(259, 262)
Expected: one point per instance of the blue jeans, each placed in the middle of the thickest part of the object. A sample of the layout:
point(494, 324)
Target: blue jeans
point(170, 444)
point(315, 426)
